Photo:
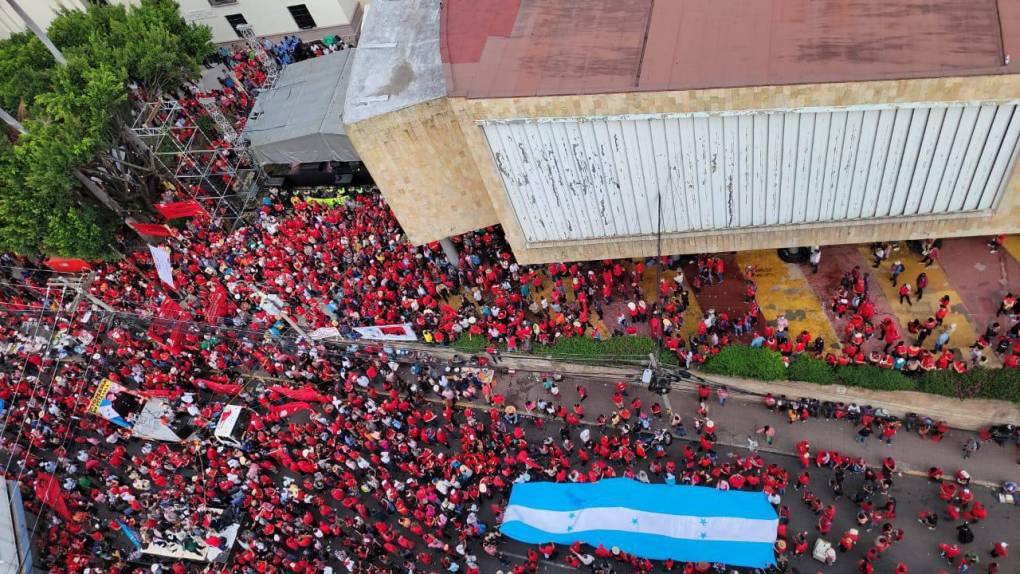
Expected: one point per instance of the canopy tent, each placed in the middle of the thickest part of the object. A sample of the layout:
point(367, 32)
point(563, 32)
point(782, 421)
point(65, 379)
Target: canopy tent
point(300, 120)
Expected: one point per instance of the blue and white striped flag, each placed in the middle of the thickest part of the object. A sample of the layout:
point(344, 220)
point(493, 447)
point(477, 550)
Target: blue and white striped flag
point(655, 521)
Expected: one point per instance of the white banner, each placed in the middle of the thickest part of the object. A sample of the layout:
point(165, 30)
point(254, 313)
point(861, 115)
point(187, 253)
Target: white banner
point(161, 257)
point(399, 332)
point(324, 333)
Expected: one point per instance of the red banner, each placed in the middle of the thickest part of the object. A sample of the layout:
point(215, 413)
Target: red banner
point(180, 209)
point(169, 310)
point(225, 388)
point(306, 393)
point(47, 489)
point(289, 409)
point(151, 229)
point(392, 329)
point(67, 265)
point(217, 302)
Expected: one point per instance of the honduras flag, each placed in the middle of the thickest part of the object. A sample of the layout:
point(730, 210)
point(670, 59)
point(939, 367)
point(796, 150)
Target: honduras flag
point(655, 521)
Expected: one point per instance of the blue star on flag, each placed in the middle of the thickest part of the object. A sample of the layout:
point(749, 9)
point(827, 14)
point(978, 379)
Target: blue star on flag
point(703, 521)
point(704, 535)
point(633, 520)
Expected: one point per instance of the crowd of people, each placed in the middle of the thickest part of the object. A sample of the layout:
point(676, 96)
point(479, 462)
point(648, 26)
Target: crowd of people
point(375, 469)
point(359, 458)
point(870, 340)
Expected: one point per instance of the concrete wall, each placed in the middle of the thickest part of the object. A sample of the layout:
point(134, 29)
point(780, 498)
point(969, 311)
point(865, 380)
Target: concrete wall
point(417, 157)
point(423, 206)
point(271, 17)
point(41, 11)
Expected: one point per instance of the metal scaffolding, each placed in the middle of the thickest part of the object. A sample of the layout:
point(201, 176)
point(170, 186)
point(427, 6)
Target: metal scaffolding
point(269, 65)
point(218, 172)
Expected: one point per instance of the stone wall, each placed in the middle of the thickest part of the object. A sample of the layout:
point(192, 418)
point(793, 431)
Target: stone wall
point(417, 157)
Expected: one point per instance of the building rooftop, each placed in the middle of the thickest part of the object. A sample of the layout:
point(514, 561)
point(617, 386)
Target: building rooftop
point(516, 48)
point(300, 120)
point(397, 63)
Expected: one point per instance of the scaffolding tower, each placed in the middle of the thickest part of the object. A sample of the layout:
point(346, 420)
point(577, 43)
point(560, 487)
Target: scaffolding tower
point(218, 172)
point(269, 65)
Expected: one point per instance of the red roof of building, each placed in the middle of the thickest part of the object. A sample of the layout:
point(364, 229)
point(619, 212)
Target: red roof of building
point(510, 48)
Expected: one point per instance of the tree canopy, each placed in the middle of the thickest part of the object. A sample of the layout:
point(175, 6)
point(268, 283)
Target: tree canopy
point(76, 113)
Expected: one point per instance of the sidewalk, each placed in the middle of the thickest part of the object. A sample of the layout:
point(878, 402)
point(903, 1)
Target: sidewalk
point(968, 414)
point(965, 414)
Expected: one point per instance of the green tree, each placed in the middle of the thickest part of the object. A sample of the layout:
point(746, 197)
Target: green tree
point(67, 185)
point(26, 69)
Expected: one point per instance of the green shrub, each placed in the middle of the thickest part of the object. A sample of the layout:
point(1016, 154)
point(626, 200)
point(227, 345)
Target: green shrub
point(622, 348)
point(1002, 384)
point(809, 369)
point(766, 365)
point(741, 361)
point(876, 378)
point(470, 344)
point(943, 383)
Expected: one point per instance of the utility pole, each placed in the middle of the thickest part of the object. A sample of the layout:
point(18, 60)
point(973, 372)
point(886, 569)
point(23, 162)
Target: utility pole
point(39, 32)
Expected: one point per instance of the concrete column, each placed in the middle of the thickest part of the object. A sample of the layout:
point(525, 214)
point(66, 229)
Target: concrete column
point(451, 251)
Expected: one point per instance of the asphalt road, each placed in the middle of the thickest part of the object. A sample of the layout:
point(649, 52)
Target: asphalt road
point(736, 421)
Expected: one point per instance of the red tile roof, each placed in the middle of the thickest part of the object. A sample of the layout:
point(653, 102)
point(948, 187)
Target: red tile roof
point(512, 48)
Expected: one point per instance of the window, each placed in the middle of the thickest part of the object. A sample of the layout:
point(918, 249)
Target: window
point(301, 16)
point(236, 20)
point(222, 2)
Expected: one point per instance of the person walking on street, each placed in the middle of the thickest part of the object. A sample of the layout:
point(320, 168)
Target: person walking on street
point(894, 272)
point(970, 447)
point(816, 258)
point(905, 295)
point(922, 284)
point(863, 434)
point(931, 256)
point(943, 337)
point(1000, 550)
point(1008, 302)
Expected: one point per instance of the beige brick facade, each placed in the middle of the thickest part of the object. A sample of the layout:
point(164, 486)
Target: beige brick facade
point(434, 166)
point(418, 158)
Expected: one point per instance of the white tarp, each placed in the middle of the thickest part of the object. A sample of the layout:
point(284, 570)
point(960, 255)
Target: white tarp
point(205, 553)
point(161, 257)
point(324, 333)
point(149, 424)
point(398, 332)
